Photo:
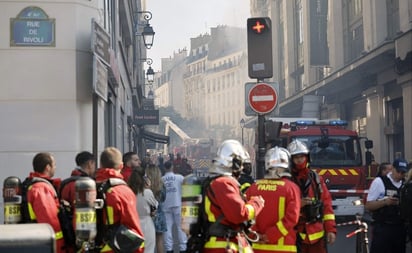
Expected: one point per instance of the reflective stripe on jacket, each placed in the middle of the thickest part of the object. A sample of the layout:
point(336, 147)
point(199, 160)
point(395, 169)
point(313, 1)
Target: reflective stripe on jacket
point(280, 215)
point(314, 231)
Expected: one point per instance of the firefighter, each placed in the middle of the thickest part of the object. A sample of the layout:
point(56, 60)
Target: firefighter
point(227, 212)
point(275, 224)
point(316, 226)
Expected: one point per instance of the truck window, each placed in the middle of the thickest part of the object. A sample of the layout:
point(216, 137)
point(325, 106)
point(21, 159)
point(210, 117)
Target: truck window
point(336, 151)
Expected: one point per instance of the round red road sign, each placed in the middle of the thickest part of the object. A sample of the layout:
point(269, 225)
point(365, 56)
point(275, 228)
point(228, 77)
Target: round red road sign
point(263, 98)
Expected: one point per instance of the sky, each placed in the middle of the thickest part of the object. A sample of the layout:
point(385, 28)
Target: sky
point(176, 21)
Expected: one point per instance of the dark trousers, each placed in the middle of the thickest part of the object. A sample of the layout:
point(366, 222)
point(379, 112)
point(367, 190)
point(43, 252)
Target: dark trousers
point(388, 238)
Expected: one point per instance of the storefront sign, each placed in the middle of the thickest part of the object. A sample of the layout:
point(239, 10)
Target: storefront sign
point(100, 42)
point(146, 117)
point(100, 78)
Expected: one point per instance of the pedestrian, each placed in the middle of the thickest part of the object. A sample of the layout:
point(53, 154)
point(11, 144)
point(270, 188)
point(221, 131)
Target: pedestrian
point(86, 167)
point(120, 204)
point(159, 191)
point(160, 163)
point(227, 212)
point(177, 164)
point(316, 227)
point(384, 168)
point(42, 198)
point(388, 229)
point(146, 206)
point(276, 223)
point(131, 161)
point(172, 208)
point(185, 167)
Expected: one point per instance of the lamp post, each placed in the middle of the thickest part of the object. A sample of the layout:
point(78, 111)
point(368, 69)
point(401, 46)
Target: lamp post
point(242, 125)
point(149, 72)
point(148, 33)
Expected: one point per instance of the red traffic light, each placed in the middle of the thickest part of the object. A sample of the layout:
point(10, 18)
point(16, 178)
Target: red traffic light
point(258, 27)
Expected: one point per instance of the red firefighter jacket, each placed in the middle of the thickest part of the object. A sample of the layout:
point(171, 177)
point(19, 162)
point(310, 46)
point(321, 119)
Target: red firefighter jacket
point(121, 203)
point(280, 215)
point(225, 205)
point(311, 232)
point(68, 191)
point(44, 207)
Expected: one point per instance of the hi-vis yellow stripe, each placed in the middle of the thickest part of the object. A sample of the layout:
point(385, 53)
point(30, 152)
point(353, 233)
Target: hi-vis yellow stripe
point(338, 172)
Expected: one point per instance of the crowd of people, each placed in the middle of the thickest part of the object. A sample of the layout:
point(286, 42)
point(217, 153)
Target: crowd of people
point(289, 210)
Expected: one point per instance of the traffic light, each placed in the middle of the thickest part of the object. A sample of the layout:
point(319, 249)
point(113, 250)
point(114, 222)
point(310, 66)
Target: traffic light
point(259, 41)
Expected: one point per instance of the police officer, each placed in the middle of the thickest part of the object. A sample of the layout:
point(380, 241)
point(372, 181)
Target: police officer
point(388, 233)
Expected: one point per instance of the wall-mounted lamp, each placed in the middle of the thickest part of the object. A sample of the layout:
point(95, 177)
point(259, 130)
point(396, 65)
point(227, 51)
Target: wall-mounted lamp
point(148, 33)
point(150, 72)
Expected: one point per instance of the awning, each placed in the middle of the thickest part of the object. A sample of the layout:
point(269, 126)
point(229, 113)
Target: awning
point(159, 138)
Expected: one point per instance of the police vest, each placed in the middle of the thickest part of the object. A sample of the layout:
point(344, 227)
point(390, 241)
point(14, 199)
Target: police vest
point(388, 214)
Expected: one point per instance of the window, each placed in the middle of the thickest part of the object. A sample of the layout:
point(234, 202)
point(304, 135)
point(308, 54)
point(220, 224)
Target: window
point(353, 38)
point(392, 12)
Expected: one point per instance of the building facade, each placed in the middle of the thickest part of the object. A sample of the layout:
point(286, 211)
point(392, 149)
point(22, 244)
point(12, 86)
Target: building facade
point(216, 71)
point(355, 56)
point(71, 80)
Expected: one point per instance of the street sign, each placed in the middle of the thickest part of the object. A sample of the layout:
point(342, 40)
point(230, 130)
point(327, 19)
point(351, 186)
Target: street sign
point(262, 98)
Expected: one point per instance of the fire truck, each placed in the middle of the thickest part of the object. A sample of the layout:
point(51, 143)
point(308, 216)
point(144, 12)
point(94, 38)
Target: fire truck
point(336, 155)
point(197, 150)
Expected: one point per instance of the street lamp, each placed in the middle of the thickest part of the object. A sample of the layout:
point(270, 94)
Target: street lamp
point(242, 125)
point(148, 33)
point(149, 72)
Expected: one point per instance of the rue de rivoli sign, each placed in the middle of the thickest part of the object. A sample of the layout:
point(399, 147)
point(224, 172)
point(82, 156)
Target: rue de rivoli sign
point(32, 27)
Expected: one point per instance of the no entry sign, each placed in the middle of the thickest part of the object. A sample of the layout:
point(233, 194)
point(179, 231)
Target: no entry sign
point(262, 98)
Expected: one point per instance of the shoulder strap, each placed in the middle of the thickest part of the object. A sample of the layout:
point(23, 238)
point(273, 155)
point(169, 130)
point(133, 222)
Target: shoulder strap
point(102, 226)
point(318, 189)
point(39, 179)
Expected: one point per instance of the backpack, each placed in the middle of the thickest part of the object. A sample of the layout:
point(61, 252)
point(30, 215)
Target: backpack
point(63, 214)
point(199, 231)
point(117, 236)
point(313, 212)
point(405, 201)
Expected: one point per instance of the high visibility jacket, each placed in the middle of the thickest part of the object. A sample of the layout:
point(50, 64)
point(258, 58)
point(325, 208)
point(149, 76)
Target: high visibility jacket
point(44, 207)
point(121, 205)
point(280, 215)
point(224, 204)
point(311, 232)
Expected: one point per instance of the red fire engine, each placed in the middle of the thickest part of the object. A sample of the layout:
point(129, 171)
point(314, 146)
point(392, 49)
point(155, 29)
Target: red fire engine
point(335, 153)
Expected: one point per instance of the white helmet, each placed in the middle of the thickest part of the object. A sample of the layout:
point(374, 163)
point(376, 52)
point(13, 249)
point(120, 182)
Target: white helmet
point(297, 147)
point(230, 156)
point(277, 163)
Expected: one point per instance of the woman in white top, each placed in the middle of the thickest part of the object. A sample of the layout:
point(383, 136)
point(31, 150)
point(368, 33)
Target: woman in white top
point(146, 206)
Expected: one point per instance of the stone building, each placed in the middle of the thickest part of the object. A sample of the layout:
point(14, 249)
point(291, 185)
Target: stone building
point(71, 80)
point(355, 56)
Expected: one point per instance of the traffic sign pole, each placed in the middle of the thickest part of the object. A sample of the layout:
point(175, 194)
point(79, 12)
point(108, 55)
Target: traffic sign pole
point(262, 97)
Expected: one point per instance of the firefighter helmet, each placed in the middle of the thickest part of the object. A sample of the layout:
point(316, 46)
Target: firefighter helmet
point(230, 156)
point(297, 147)
point(277, 163)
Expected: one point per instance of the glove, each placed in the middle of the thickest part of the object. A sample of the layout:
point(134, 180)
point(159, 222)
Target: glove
point(258, 203)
